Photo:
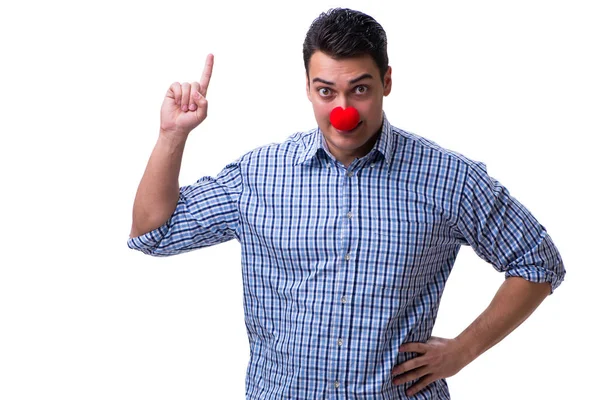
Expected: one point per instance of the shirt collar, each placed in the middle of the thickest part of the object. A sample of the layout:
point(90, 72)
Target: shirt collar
point(385, 144)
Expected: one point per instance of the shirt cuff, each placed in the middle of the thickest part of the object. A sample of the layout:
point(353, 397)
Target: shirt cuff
point(542, 264)
point(148, 242)
point(538, 275)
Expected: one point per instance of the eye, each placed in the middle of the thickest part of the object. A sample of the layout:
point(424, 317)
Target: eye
point(325, 92)
point(360, 89)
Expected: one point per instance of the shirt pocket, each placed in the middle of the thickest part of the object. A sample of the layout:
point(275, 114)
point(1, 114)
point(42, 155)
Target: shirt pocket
point(406, 255)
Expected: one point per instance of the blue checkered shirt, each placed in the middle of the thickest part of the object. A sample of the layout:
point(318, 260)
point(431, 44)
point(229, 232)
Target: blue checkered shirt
point(342, 265)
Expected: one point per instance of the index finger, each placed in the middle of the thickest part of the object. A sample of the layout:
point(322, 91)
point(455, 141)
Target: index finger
point(413, 347)
point(206, 74)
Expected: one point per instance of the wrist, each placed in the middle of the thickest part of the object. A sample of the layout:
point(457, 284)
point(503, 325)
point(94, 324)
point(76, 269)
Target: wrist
point(173, 137)
point(467, 349)
point(172, 142)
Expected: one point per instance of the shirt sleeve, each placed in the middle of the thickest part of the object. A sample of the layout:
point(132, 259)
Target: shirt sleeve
point(504, 233)
point(206, 214)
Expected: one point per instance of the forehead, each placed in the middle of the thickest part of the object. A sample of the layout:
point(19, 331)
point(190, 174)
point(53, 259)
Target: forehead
point(325, 67)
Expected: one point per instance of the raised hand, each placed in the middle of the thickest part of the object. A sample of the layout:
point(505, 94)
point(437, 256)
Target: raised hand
point(185, 105)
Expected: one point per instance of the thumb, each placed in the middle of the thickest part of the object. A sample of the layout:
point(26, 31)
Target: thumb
point(202, 105)
point(199, 100)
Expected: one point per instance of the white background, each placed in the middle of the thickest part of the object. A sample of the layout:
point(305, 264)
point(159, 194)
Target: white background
point(514, 84)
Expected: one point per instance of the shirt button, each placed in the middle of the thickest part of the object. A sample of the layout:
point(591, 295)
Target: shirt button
point(373, 165)
point(336, 384)
point(349, 215)
point(344, 299)
point(347, 257)
point(340, 342)
point(349, 174)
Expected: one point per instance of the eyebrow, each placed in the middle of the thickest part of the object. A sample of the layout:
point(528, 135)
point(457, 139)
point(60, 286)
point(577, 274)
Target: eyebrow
point(360, 78)
point(351, 81)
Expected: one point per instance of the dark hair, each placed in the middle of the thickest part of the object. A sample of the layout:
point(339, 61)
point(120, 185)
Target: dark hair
point(344, 33)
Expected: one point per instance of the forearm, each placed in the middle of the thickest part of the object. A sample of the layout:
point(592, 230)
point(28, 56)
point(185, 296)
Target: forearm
point(514, 302)
point(158, 191)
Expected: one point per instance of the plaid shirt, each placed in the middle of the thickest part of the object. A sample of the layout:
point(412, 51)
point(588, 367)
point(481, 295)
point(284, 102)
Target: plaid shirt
point(343, 265)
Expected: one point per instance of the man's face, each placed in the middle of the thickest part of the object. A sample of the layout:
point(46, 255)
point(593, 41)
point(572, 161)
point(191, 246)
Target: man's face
point(347, 82)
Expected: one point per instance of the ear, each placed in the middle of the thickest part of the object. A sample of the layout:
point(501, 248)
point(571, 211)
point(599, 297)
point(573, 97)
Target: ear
point(387, 82)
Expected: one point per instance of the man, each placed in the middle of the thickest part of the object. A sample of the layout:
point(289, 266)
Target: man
point(347, 236)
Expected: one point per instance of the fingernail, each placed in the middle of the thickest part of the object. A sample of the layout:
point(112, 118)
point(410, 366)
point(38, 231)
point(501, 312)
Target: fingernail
point(192, 107)
point(184, 107)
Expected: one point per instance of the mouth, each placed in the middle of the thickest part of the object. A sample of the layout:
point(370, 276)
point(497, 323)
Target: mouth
point(350, 131)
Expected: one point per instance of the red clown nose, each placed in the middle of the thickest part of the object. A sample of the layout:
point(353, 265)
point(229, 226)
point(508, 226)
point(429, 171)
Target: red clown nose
point(344, 120)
